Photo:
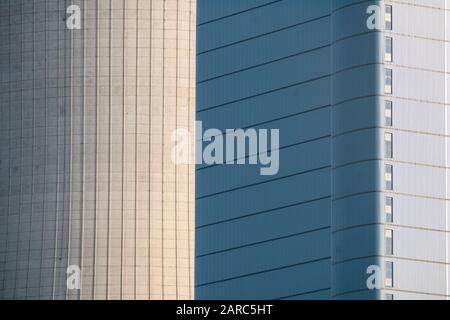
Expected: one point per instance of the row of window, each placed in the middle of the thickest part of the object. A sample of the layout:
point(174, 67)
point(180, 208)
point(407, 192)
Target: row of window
point(388, 81)
point(388, 17)
point(389, 153)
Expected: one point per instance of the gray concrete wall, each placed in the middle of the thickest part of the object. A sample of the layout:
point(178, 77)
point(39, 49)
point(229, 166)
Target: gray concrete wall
point(86, 172)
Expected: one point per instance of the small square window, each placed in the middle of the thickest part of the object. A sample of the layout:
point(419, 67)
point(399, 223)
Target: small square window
point(388, 145)
point(388, 17)
point(388, 54)
point(389, 241)
point(388, 81)
point(388, 114)
point(389, 276)
point(388, 177)
point(389, 209)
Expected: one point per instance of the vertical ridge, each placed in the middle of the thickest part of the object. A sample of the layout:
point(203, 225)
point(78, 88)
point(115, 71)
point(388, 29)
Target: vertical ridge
point(446, 106)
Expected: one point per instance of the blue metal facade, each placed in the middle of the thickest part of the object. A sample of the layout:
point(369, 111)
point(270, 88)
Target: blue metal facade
point(310, 69)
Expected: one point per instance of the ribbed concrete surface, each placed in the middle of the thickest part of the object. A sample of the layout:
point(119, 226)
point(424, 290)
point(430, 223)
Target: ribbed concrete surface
point(85, 126)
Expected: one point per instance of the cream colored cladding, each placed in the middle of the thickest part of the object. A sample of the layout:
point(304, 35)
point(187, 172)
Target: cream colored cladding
point(86, 173)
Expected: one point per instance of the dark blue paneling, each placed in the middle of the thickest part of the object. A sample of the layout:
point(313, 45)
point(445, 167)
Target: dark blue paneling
point(270, 195)
point(218, 9)
point(278, 45)
point(269, 255)
point(276, 284)
point(257, 22)
point(266, 107)
point(263, 79)
point(284, 221)
point(299, 158)
point(266, 237)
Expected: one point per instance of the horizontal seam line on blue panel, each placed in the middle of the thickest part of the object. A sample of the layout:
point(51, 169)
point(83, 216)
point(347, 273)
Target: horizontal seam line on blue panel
point(294, 114)
point(264, 271)
point(282, 148)
point(263, 242)
point(335, 105)
point(343, 133)
point(347, 164)
point(237, 13)
point(356, 67)
point(302, 294)
point(359, 226)
point(263, 212)
point(264, 93)
point(296, 84)
point(278, 119)
point(351, 5)
point(352, 291)
point(356, 258)
point(263, 64)
point(263, 182)
point(291, 56)
point(355, 35)
point(262, 35)
point(356, 194)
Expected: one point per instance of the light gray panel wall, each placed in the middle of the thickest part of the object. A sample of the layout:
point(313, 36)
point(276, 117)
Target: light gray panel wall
point(420, 149)
point(423, 49)
point(419, 180)
point(419, 212)
point(422, 117)
point(419, 85)
point(428, 20)
point(420, 129)
point(419, 244)
point(419, 277)
point(438, 4)
point(35, 69)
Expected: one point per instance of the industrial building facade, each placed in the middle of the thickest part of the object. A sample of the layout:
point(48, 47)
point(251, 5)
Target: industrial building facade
point(90, 93)
point(359, 91)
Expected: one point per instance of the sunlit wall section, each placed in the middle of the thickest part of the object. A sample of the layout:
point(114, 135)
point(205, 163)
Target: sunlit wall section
point(87, 179)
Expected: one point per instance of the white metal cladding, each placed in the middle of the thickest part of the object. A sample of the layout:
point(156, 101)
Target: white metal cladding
point(421, 144)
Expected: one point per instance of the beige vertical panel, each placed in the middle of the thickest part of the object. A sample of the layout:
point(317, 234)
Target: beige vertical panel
point(117, 144)
point(156, 159)
point(192, 116)
point(169, 125)
point(182, 172)
point(143, 150)
point(103, 149)
point(129, 175)
point(90, 149)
